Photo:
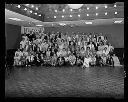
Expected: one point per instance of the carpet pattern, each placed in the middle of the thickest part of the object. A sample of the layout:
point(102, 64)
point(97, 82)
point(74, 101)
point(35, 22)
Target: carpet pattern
point(65, 82)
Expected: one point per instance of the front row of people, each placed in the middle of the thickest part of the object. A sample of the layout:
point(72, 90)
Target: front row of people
point(24, 58)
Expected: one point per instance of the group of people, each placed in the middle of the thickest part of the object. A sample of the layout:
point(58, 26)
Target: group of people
point(57, 49)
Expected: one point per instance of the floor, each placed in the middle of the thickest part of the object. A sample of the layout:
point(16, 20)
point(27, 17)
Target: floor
point(65, 82)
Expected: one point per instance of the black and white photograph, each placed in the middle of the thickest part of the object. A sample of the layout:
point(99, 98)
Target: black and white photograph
point(64, 50)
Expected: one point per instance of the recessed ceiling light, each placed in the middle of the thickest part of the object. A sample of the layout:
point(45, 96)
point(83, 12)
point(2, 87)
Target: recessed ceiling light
point(35, 13)
point(115, 12)
point(70, 9)
point(106, 13)
point(106, 6)
point(87, 14)
point(63, 10)
point(115, 5)
point(36, 8)
point(18, 6)
point(39, 25)
point(87, 8)
point(55, 10)
point(16, 19)
point(96, 7)
point(30, 11)
point(70, 15)
point(25, 9)
point(27, 4)
point(96, 14)
point(32, 6)
point(62, 16)
point(78, 15)
point(54, 16)
point(40, 15)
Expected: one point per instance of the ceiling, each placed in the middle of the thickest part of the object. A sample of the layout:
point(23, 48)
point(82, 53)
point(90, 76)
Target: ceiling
point(62, 12)
point(48, 11)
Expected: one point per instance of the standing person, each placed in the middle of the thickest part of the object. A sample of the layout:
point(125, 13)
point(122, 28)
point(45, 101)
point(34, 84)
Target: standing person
point(116, 60)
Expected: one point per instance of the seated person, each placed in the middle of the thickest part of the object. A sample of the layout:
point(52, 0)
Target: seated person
point(72, 59)
point(23, 59)
point(36, 59)
point(110, 47)
point(60, 60)
point(17, 57)
point(105, 51)
point(54, 60)
point(116, 60)
point(100, 46)
point(98, 60)
point(93, 60)
point(99, 52)
point(48, 57)
point(64, 52)
point(86, 62)
point(109, 61)
point(104, 59)
point(91, 45)
point(79, 61)
point(42, 58)
point(82, 52)
point(59, 53)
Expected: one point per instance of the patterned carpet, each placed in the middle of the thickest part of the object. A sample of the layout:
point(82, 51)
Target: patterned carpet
point(65, 82)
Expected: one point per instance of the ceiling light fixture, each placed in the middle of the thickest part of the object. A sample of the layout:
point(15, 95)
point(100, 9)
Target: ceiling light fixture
point(25, 9)
point(106, 13)
point(35, 13)
point(87, 8)
point(62, 16)
point(96, 14)
point(75, 6)
point(40, 15)
point(55, 10)
point(70, 15)
point(96, 7)
point(36, 8)
point(32, 6)
point(30, 11)
point(87, 14)
point(88, 22)
point(115, 12)
point(70, 9)
point(106, 6)
point(16, 19)
point(115, 5)
point(18, 6)
point(27, 4)
point(39, 25)
point(117, 21)
point(78, 15)
point(54, 16)
point(63, 10)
